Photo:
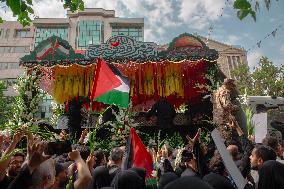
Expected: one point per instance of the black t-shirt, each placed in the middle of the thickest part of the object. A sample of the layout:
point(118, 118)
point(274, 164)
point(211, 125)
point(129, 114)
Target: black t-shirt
point(5, 182)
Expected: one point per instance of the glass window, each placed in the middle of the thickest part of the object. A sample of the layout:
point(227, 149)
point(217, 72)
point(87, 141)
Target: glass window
point(235, 63)
point(230, 63)
point(89, 32)
point(20, 49)
point(7, 33)
point(1, 33)
point(7, 49)
point(44, 33)
point(134, 32)
point(2, 49)
point(22, 33)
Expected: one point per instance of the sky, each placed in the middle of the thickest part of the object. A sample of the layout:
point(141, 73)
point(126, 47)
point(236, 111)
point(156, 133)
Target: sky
point(166, 19)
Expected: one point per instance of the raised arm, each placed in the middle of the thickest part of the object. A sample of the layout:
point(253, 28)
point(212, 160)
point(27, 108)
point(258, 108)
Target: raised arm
point(84, 174)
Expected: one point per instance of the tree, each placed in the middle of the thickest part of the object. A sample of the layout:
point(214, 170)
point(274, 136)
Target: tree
point(245, 7)
point(23, 9)
point(266, 79)
point(244, 80)
point(5, 104)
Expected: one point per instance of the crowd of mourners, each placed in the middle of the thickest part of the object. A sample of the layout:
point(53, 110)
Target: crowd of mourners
point(194, 166)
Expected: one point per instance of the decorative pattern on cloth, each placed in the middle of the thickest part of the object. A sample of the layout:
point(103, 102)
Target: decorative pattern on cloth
point(120, 49)
point(175, 81)
point(149, 81)
point(72, 81)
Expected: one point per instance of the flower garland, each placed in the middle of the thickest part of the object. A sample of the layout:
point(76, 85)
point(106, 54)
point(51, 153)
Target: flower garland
point(57, 111)
point(26, 106)
point(120, 128)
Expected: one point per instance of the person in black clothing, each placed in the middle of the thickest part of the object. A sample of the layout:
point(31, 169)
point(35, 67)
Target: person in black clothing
point(14, 168)
point(165, 113)
point(271, 175)
point(115, 162)
point(217, 181)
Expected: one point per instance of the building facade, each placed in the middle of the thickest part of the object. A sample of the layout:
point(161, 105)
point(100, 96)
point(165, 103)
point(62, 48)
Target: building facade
point(229, 56)
point(91, 26)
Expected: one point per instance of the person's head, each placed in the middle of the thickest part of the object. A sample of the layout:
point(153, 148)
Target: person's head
point(261, 154)
point(43, 176)
point(127, 179)
point(101, 177)
point(274, 144)
point(166, 151)
point(271, 175)
point(234, 151)
point(116, 155)
point(229, 83)
point(217, 181)
point(61, 178)
point(166, 179)
point(15, 164)
point(188, 182)
point(216, 164)
point(142, 174)
point(186, 156)
point(100, 158)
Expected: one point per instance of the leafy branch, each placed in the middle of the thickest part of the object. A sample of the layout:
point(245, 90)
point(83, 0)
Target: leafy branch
point(245, 8)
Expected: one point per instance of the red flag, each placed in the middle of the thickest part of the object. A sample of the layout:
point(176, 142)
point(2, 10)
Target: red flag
point(104, 80)
point(140, 157)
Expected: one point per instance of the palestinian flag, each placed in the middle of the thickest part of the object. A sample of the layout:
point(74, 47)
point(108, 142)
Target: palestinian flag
point(61, 47)
point(110, 86)
point(44, 51)
point(136, 154)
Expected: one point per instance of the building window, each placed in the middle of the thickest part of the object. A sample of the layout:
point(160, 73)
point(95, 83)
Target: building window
point(7, 33)
point(134, 32)
point(89, 32)
point(9, 65)
point(1, 32)
point(22, 33)
point(44, 33)
point(23, 49)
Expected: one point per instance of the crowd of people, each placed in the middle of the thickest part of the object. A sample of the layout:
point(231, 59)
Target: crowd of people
point(194, 166)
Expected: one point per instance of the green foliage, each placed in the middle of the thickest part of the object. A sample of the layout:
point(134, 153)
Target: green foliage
point(244, 80)
point(250, 126)
point(23, 9)
point(244, 8)
point(175, 140)
point(5, 104)
point(25, 107)
point(266, 79)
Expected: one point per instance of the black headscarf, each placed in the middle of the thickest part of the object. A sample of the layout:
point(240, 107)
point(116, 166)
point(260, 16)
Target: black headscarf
point(166, 179)
point(101, 177)
point(271, 175)
point(142, 174)
point(127, 180)
point(217, 181)
point(188, 183)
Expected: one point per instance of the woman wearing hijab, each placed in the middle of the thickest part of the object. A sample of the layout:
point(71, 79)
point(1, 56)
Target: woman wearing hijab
point(271, 175)
point(142, 174)
point(127, 180)
point(217, 181)
point(166, 179)
point(188, 182)
point(101, 177)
